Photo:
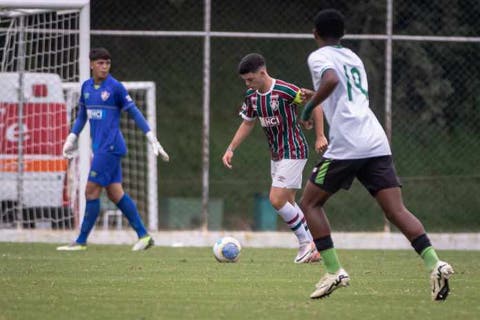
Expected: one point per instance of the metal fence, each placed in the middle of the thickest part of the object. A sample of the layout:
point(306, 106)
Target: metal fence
point(421, 60)
point(422, 64)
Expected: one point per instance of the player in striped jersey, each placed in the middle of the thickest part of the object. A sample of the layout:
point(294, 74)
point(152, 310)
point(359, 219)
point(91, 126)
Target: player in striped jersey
point(359, 149)
point(274, 103)
point(102, 99)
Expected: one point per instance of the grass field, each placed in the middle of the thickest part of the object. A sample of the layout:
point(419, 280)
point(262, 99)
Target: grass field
point(111, 282)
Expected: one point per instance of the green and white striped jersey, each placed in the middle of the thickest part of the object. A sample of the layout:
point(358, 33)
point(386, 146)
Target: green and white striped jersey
point(277, 112)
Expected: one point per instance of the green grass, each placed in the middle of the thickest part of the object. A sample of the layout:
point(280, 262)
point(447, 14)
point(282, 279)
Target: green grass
point(111, 282)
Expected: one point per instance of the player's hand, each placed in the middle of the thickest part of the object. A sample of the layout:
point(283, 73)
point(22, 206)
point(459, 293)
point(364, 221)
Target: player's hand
point(157, 147)
point(70, 147)
point(306, 94)
point(227, 158)
point(308, 125)
point(321, 144)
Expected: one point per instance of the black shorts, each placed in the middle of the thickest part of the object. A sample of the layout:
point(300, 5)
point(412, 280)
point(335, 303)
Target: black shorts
point(374, 173)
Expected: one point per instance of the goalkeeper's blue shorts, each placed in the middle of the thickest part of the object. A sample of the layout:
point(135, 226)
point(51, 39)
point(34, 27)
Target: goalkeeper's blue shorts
point(106, 169)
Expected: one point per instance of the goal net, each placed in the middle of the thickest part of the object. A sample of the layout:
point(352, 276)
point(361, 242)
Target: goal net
point(42, 65)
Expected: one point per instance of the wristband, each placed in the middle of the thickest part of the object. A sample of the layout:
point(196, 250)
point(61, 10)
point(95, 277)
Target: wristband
point(307, 111)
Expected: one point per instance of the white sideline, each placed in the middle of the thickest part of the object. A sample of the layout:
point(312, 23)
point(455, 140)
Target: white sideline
point(343, 240)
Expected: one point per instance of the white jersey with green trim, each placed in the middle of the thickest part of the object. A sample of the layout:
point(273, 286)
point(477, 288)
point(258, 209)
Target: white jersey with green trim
point(355, 132)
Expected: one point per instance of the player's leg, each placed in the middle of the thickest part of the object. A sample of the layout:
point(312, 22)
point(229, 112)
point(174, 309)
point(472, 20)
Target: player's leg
point(315, 257)
point(305, 225)
point(327, 177)
point(381, 180)
point(282, 200)
point(286, 179)
point(392, 204)
point(128, 207)
point(92, 209)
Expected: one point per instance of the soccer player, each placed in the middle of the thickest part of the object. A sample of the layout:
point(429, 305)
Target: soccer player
point(102, 100)
point(274, 103)
point(358, 148)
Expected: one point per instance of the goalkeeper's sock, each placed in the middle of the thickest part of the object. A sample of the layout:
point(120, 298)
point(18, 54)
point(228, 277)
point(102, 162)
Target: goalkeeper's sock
point(294, 219)
point(329, 254)
point(129, 209)
point(424, 248)
point(92, 209)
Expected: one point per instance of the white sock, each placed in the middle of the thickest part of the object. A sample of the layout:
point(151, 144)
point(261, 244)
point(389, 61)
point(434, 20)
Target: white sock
point(304, 222)
point(295, 220)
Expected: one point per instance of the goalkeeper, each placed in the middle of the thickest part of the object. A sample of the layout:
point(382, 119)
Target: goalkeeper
point(102, 100)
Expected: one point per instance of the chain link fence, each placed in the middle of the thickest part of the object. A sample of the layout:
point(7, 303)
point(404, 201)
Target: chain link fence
point(433, 123)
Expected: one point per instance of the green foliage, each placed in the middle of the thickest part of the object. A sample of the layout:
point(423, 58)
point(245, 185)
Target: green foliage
point(111, 282)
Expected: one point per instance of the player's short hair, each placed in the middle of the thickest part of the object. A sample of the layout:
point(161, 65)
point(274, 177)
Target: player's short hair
point(252, 62)
point(330, 23)
point(99, 53)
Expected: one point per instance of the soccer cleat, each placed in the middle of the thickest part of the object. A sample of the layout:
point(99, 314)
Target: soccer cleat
point(329, 283)
point(143, 243)
point(73, 247)
point(307, 253)
point(439, 280)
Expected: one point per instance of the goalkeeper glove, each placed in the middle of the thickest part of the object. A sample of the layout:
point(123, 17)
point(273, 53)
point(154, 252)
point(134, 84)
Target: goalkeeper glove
point(70, 147)
point(156, 146)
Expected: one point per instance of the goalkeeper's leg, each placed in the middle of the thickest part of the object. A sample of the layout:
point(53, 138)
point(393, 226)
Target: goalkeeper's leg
point(129, 209)
point(92, 210)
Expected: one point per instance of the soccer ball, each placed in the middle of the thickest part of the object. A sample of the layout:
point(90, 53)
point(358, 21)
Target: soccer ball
point(227, 249)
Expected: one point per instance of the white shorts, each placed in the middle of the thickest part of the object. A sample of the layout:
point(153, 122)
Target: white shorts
point(287, 173)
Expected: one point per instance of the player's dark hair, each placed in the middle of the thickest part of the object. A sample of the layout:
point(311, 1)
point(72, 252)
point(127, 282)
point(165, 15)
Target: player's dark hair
point(99, 53)
point(330, 24)
point(251, 63)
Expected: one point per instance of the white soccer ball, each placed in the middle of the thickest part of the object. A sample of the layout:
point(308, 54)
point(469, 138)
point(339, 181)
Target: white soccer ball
point(227, 249)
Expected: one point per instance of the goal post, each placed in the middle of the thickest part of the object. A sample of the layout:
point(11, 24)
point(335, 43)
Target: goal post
point(42, 44)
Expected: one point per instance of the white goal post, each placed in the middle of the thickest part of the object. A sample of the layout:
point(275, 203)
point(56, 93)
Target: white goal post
point(38, 37)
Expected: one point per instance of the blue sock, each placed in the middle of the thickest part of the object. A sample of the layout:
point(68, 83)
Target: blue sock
point(129, 209)
point(92, 209)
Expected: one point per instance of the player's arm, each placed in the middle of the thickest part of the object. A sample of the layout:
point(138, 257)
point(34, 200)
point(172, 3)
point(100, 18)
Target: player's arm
point(329, 82)
point(126, 103)
point(302, 97)
point(141, 122)
point(321, 142)
point(243, 131)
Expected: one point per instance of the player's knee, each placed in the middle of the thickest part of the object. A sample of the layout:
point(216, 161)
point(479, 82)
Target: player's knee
point(92, 191)
point(92, 194)
point(277, 201)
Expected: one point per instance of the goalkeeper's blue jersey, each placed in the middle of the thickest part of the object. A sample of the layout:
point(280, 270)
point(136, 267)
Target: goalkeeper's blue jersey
point(103, 105)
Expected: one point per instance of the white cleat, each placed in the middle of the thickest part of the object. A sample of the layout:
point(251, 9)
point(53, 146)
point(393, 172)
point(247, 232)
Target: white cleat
point(439, 280)
point(143, 243)
point(73, 247)
point(329, 283)
point(307, 253)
